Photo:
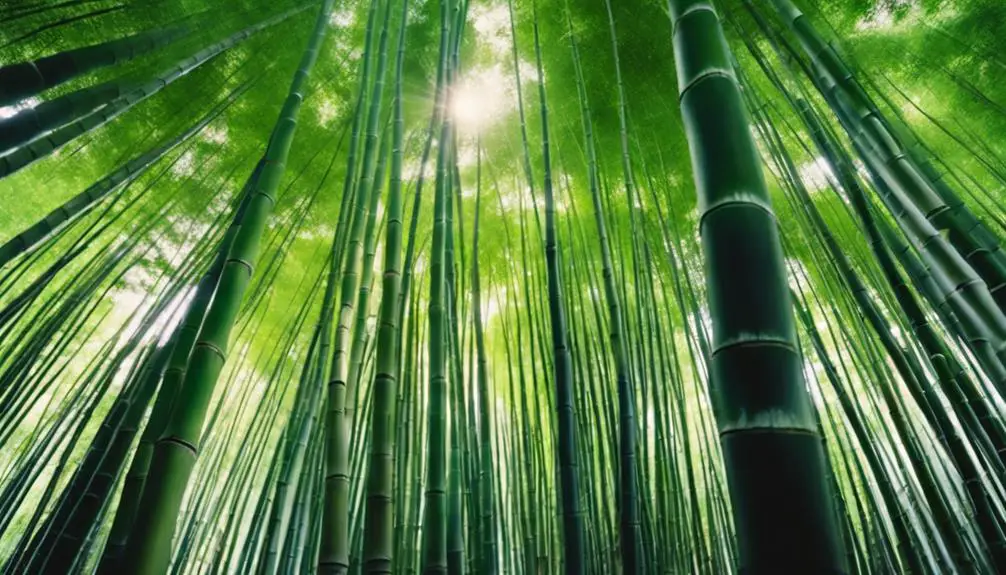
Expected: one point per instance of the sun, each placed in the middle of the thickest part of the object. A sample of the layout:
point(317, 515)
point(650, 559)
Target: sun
point(480, 98)
point(467, 110)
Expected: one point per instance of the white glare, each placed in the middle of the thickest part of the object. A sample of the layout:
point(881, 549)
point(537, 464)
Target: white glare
point(482, 97)
point(816, 174)
point(8, 111)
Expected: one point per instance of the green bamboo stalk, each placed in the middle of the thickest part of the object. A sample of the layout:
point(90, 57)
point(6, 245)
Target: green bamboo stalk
point(174, 374)
point(378, 538)
point(60, 542)
point(456, 404)
point(35, 150)
point(24, 79)
point(433, 555)
point(881, 143)
point(68, 545)
point(486, 477)
point(572, 532)
point(359, 329)
point(348, 205)
point(29, 123)
point(87, 199)
point(174, 456)
point(914, 379)
point(292, 474)
point(334, 556)
point(629, 535)
point(931, 342)
point(783, 512)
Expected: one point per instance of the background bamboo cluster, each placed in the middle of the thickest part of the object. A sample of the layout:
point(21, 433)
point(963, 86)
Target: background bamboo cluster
point(518, 286)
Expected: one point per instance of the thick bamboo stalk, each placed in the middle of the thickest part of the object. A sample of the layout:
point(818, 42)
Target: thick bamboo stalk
point(783, 511)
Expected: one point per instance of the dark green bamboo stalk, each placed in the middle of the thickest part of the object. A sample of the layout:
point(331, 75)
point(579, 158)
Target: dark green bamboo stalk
point(23, 79)
point(572, 532)
point(629, 531)
point(434, 558)
point(69, 543)
point(782, 510)
point(30, 123)
point(914, 379)
point(880, 143)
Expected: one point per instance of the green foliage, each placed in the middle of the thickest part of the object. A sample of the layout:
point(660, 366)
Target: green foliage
point(446, 379)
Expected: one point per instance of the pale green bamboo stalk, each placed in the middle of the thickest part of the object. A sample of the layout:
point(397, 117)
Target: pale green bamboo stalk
point(149, 546)
point(335, 538)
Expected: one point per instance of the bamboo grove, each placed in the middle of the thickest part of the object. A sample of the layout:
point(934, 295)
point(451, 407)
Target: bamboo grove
point(502, 286)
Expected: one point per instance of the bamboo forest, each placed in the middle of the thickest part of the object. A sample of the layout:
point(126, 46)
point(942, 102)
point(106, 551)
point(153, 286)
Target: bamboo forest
point(502, 286)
